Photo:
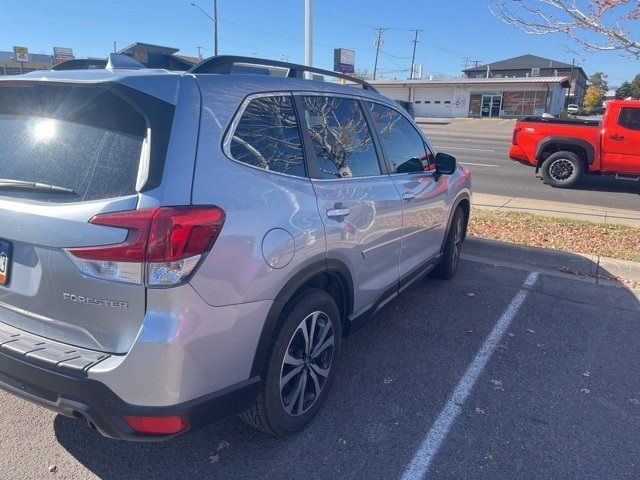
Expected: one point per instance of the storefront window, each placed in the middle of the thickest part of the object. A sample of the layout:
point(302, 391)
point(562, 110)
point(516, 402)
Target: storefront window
point(475, 104)
point(524, 103)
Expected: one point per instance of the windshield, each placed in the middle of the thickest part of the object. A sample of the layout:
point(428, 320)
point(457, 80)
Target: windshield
point(87, 140)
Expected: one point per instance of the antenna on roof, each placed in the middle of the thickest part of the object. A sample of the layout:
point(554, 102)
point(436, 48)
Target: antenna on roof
point(118, 61)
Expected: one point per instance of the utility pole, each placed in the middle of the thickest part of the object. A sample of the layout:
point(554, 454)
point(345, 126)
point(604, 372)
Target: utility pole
point(308, 35)
point(378, 43)
point(413, 56)
point(199, 52)
point(476, 62)
point(573, 63)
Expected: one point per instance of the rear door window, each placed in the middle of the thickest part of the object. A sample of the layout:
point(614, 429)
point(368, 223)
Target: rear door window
point(267, 136)
point(629, 118)
point(88, 141)
point(341, 138)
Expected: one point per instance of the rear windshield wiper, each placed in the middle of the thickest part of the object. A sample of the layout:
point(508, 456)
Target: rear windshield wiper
point(34, 186)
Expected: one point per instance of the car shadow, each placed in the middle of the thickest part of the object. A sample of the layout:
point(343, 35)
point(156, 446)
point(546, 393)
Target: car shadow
point(605, 183)
point(395, 375)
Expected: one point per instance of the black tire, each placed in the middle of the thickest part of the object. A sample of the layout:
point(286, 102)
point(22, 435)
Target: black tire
point(448, 265)
point(562, 169)
point(272, 412)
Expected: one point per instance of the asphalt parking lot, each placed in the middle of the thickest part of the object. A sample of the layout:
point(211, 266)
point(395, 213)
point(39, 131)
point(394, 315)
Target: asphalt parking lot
point(504, 382)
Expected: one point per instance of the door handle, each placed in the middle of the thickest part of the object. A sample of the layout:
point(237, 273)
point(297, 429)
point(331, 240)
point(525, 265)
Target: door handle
point(615, 136)
point(408, 196)
point(338, 212)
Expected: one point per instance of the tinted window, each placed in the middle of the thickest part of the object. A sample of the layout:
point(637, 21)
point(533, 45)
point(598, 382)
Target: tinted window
point(630, 118)
point(341, 138)
point(87, 140)
point(402, 144)
point(267, 136)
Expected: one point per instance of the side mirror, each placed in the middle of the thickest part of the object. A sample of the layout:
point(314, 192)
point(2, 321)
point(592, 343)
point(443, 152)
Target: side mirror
point(445, 164)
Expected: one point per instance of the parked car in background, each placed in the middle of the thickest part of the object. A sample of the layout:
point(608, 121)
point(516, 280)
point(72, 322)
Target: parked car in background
point(573, 109)
point(565, 150)
point(179, 247)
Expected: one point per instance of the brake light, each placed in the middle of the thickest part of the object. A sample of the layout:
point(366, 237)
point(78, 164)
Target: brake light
point(514, 138)
point(163, 245)
point(157, 425)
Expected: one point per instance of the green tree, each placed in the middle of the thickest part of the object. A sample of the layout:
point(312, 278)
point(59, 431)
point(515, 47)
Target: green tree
point(624, 91)
point(599, 79)
point(592, 99)
point(635, 87)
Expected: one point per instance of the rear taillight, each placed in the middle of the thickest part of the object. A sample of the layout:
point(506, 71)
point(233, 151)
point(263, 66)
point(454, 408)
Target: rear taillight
point(163, 245)
point(514, 137)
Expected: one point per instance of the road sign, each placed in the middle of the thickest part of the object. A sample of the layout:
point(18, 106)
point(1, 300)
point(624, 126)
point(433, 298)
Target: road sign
point(62, 54)
point(21, 54)
point(344, 60)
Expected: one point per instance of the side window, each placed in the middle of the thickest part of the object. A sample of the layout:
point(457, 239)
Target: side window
point(341, 138)
point(629, 118)
point(403, 145)
point(267, 136)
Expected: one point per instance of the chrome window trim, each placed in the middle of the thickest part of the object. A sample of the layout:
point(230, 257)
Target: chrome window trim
point(226, 144)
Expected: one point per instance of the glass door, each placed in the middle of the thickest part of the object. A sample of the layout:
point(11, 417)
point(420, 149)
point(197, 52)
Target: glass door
point(491, 105)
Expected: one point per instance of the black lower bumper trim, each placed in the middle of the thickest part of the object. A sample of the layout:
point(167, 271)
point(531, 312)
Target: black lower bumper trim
point(77, 396)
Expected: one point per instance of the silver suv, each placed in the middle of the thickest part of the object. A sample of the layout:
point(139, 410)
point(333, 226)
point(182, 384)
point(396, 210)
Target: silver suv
point(179, 247)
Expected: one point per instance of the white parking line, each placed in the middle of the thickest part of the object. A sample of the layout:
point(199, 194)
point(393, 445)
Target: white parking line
point(431, 444)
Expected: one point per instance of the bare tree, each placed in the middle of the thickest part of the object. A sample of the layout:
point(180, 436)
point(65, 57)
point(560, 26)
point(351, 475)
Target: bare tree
point(593, 24)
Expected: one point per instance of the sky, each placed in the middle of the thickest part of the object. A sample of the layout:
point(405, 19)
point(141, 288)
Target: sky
point(452, 30)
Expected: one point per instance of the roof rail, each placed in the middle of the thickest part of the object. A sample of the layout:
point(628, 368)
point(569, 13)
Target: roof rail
point(223, 64)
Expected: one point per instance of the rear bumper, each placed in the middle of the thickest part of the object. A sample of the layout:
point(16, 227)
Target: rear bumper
point(517, 154)
point(81, 397)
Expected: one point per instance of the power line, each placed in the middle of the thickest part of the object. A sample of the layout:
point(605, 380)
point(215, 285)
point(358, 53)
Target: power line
point(378, 43)
point(413, 56)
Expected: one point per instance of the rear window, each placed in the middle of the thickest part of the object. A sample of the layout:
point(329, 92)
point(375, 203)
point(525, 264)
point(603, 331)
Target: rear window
point(87, 140)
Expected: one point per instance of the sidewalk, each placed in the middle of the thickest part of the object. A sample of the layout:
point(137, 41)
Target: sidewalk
point(557, 209)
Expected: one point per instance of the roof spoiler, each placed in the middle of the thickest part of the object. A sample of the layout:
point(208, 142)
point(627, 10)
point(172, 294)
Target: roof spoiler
point(223, 64)
point(119, 61)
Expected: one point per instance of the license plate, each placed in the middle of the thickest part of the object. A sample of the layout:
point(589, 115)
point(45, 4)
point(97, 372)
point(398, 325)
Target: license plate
point(5, 261)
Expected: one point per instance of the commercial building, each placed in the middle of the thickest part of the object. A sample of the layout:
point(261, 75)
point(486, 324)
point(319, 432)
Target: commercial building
point(529, 65)
point(153, 56)
point(9, 66)
point(479, 97)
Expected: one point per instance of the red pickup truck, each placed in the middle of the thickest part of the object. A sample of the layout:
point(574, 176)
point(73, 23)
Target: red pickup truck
point(564, 150)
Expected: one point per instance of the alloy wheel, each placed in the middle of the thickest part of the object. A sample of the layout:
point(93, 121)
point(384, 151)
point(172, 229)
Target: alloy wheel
point(561, 170)
point(458, 238)
point(307, 363)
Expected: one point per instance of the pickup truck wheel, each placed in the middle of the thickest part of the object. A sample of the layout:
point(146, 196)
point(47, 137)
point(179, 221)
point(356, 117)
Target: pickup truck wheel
point(562, 169)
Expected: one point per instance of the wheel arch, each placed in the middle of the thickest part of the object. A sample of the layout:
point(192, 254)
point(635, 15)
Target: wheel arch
point(551, 145)
point(462, 200)
point(329, 275)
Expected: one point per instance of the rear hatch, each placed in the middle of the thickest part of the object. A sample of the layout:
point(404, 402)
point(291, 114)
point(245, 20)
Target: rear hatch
point(69, 152)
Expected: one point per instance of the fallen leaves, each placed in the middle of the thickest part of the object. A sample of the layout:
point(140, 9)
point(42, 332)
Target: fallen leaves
point(586, 391)
point(497, 384)
point(387, 380)
point(215, 455)
point(605, 239)
point(53, 468)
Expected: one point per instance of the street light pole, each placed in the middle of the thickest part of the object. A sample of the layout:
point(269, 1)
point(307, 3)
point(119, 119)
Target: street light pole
point(308, 33)
point(215, 27)
point(214, 19)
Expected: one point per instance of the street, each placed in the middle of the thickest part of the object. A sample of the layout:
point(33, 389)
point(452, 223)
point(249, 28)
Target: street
point(494, 173)
point(558, 397)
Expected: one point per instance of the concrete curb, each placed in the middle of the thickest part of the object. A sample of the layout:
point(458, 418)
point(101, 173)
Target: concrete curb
point(543, 258)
